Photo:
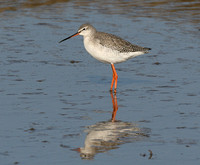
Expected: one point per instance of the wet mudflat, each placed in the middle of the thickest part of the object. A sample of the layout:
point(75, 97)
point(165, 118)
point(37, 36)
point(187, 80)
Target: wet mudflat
point(55, 104)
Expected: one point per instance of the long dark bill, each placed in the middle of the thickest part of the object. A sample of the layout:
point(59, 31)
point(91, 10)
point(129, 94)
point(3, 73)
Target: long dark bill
point(70, 37)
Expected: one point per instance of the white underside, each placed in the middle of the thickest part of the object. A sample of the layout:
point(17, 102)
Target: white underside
point(107, 55)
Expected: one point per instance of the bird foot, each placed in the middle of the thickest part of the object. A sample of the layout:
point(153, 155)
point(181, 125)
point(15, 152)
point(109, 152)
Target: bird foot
point(115, 91)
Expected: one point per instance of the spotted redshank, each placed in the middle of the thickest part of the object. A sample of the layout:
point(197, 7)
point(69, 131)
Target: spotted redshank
point(108, 48)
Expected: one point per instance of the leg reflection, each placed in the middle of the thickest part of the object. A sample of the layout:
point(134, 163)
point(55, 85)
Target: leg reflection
point(115, 106)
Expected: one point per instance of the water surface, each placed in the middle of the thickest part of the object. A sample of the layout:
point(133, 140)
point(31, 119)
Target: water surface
point(55, 105)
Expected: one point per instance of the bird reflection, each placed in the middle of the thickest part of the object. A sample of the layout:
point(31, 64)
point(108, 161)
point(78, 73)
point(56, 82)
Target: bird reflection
point(108, 135)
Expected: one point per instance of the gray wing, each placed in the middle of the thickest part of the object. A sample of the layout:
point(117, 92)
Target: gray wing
point(117, 43)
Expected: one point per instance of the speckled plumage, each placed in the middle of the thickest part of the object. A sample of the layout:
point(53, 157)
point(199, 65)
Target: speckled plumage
point(117, 43)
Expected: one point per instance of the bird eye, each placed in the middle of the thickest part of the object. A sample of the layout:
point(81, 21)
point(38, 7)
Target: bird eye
point(83, 28)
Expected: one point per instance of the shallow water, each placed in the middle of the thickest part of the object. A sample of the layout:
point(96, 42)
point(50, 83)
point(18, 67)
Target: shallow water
point(54, 98)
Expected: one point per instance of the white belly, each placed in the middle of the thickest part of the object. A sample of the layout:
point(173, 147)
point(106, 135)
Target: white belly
point(107, 55)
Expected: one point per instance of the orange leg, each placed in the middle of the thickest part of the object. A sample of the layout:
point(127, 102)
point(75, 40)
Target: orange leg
point(114, 79)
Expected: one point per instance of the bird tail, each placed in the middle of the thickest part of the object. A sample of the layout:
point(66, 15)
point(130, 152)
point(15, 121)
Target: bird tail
point(147, 49)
